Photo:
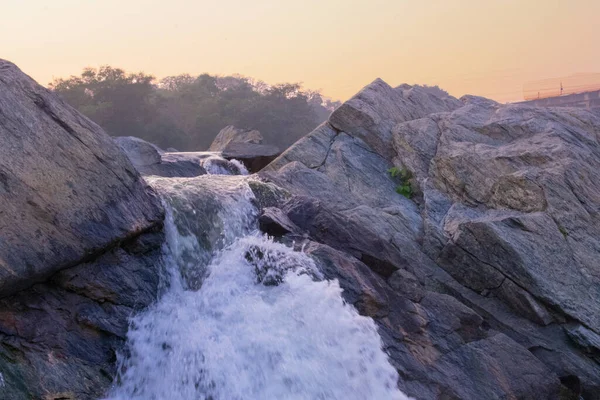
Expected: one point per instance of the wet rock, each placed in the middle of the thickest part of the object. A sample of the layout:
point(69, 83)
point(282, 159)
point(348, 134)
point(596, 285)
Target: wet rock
point(139, 152)
point(267, 194)
point(440, 346)
point(210, 211)
point(254, 156)
point(60, 338)
point(271, 266)
point(275, 223)
point(220, 166)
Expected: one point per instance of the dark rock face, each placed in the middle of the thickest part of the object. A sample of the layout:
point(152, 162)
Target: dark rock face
point(66, 190)
point(254, 156)
point(485, 283)
point(59, 339)
point(428, 334)
point(244, 145)
point(80, 246)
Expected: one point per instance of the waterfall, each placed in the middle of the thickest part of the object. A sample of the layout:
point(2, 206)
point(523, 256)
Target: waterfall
point(263, 324)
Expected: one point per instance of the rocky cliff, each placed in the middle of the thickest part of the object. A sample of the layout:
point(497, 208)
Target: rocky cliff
point(467, 229)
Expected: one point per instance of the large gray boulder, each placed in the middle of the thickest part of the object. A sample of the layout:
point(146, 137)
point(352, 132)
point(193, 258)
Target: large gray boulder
point(148, 159)
point(140, 152)
point(66, 190)
point(525, 202)
point(80, 246)
point(488, 280)
point(244, 145)
point(231, 134)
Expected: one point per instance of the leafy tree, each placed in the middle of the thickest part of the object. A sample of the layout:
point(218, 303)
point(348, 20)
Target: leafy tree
point(187, 111)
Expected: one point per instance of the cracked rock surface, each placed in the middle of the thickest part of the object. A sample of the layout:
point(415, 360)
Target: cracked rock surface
point(485, 283)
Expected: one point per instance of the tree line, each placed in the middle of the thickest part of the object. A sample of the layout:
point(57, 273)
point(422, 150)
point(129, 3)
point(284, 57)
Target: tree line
point(186, 112)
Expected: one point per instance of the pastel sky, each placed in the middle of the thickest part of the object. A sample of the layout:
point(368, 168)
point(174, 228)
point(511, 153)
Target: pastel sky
point(483, 47)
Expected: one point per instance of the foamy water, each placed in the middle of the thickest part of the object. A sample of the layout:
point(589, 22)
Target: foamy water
point(264, 325)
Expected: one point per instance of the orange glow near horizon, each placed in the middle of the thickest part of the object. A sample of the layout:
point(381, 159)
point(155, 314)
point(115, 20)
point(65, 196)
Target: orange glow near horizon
point(488, 48)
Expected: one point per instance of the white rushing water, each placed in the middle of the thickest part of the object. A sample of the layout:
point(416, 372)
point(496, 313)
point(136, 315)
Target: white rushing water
point(264, 325)
point(217, 165)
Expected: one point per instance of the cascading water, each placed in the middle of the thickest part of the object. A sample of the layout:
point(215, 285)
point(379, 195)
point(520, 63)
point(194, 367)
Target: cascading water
point(263, 324)
point(216, 165)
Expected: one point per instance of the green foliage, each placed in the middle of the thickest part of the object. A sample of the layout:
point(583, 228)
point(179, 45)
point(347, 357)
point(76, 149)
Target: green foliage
point(187, 112)
point(402, 173)
point(563, 231)
point(394, 172)
point(405, 190)
point(404, 176)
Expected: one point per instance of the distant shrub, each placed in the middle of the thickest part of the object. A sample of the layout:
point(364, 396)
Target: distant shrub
point(187, 112)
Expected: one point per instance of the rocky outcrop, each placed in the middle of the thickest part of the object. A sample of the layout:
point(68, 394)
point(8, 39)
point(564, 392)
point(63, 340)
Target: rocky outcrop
point(67, 192)
point(60, 339)
point(467, 229)
point(244, 145)
point(148, 159)
point(231, 134)
point(254, 156)
point(80, 246)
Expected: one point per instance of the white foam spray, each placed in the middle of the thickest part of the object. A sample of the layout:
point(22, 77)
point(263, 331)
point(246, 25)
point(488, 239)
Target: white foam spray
point(264, 325)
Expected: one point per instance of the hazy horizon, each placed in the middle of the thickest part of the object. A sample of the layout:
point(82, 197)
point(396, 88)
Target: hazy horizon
point(490, 49)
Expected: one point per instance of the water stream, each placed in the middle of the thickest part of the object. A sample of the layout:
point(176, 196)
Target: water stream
point(262, 325)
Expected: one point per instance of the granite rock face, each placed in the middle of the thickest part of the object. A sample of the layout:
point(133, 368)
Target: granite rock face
point(59, 339)
point(80, 246)
point(484, 278)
